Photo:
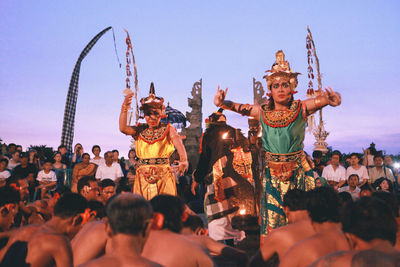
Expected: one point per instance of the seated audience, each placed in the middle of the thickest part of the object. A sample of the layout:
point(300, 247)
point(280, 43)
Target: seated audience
point(352, 188)
point(107, 187)
point(356, 168)
point(380, 170)
point(88, 188)
point(97, 159)
point(4, 173)
point(111, 170)
point(334, 173)
point(84, 168)
point(47, 178)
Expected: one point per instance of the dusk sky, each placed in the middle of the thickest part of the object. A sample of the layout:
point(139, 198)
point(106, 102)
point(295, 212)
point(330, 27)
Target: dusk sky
point(176, 43)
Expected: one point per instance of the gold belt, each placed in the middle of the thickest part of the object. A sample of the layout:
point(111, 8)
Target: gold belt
point(283, 165)
point(154, 161)
point(295, 156)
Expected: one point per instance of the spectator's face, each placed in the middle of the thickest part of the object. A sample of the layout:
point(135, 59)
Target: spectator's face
point(388, 160)
point(24, 161)
point(115, 156)
point(109, 158)
point(353, 181)
point(62, 150)
point(47, 166)
point(57, 157)
point(19, 148)
point(91, 192)
point(108, 192)
point(335, 160)
point(318, 183)
point(96, 151)
point(11, 149)
point(378, 161)
point(3, 166)
point(384, 185)
point(132, 154)
point(354, 160)
point(86, 159)
point(15, 156)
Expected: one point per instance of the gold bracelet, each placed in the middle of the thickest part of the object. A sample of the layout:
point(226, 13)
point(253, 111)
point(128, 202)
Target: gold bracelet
point(317, 102)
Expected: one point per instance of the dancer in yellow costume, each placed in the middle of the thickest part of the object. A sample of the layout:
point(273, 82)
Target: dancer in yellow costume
point(283, 122)
point(155, 142)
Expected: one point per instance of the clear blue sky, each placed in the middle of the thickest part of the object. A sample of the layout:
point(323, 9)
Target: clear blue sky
point(177, 43)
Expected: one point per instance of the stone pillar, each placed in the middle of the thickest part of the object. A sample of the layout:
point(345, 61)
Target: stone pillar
point(194, 131)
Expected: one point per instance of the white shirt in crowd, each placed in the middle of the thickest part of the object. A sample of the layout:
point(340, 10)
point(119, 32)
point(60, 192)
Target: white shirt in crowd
point(361, 172)
point(113, 172)
point(98, 162)
point(354, 195)
point(374, 174)
point(46, 177)
point(4, 175)
point(334, 175)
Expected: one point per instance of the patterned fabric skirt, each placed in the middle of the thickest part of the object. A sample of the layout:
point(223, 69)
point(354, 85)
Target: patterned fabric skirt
point(282, 174)
point(152, 180)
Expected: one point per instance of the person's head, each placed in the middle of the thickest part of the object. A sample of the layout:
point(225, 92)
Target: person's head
point(85, 158)
point(366, 191)
point(96, 150)
point(353, 180)
point(317, 155)
point(11, 148)
point(132, 154)
point(115, 155)
point(9, 199)
point(194, 225)
point(323, 204)
point(57, 157)
point(369, 219)
point(388, 160)
point(47, 165)
point(88, 188)
point(378, 160)
point(354, 159)
point(123, 188)
point(172, 208)
point(108, 157)
point(18, 148)
point(383, 184)
point(390, 200)
point(15, 156)
point(78, 148)
point(335, 159)
point(320, 181)
point(62, 149)
point(294, 200)
point(3, 164)
point(20, 185)
point(129, 214)
point(107, 189)
point(24, 158)
point(281, 91)
point(70, 208)
point(97, 210)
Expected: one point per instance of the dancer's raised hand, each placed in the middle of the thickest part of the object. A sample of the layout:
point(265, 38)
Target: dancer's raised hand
point(334, 98)
point(220, 96)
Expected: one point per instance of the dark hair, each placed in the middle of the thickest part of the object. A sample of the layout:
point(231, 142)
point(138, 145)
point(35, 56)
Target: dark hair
point(85, 154)
point(123, 188)
point(70, 205)
point(105, 154)
point(378, 182)
point(5, 160)
point(378, 155)
point(85, 181)
point(355, 175)
point(317, 154)
point(369, 218)
point(8, 195)
point(115, 150)
point(128, 214)
point(96, 146)
point(107, 182)
point(389, 199)
point(355, 154)
point(56, 153)
point(11, 144)
point(295, 199)
point(98, 207)
point(323, 205)
point(48, 161)
point(172, 208)
point(337, 152)
point(23, 155)
point(61, 146)
point(193, 222)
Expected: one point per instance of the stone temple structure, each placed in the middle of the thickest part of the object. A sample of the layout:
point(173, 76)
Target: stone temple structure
point(194, 131)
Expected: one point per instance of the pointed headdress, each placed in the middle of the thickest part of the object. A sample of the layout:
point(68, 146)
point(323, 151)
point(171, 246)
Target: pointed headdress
point(152, 101)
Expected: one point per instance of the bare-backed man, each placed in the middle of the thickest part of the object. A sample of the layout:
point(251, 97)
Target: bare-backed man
point(129, 220)
point(323, 207)
point(49, 243)
point(279, 241)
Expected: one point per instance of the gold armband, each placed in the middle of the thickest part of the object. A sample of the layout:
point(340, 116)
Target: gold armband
point(317, 102)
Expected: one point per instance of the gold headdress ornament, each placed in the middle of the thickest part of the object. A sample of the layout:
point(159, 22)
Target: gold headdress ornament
point(281, 68)
point(152, 101)
point(216, 117)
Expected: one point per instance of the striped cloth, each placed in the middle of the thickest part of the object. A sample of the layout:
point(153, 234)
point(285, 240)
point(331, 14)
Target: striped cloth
point(70, 106)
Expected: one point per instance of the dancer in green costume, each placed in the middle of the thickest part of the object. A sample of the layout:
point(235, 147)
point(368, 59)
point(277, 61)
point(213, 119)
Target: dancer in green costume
point(283, 121)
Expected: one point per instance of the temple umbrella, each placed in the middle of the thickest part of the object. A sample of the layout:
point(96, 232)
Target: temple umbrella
point(175, 117)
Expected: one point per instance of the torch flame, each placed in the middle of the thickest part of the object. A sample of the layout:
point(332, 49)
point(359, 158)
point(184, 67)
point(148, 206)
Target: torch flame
point(242, 211)
point(225, 135)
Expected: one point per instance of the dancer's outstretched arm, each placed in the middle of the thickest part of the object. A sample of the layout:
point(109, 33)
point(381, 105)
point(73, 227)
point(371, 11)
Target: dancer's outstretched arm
point(123, 117)
point(244, 109)
point(329, 97)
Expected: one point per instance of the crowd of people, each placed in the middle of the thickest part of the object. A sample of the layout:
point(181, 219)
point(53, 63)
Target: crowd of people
point(351, 216)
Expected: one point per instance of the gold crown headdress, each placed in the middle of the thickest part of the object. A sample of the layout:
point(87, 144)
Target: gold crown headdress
point(152, 101)
point(281, 68)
